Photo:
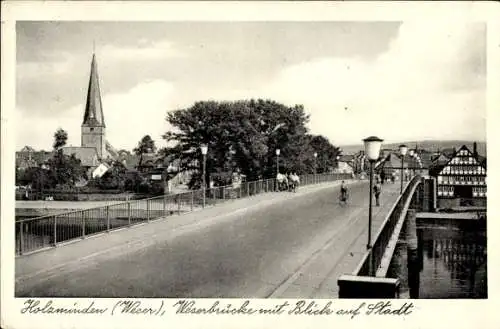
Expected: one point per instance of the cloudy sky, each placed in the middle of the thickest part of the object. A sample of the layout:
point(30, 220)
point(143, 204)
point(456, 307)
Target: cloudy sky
point(400, 81)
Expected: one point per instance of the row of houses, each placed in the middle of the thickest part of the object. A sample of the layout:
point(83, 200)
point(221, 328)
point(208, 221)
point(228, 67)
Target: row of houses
point(459, 175)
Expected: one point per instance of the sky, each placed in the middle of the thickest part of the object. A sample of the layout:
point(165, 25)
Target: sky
point(401, 81)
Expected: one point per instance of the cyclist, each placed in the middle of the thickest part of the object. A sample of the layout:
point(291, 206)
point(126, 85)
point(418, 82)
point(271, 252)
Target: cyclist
point(343, 192)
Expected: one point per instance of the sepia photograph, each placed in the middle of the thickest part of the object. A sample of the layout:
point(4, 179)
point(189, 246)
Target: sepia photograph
point(265, 160)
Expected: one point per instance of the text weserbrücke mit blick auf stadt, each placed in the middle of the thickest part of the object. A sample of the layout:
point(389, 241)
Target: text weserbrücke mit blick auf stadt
point(218, 307)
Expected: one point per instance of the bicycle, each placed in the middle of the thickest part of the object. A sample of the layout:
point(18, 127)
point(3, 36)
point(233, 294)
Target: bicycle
point(344, 198)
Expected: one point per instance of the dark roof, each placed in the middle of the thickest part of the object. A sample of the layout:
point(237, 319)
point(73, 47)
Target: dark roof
point(450, 151)
point(393, 160)
point(440, 158)
point(93, 115)
point(37, 158)
point(346, 158)
point(27, 149)
point(87, 155)
point(112, 152)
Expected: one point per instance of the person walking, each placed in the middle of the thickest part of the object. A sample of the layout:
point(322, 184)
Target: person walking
point(377, 189)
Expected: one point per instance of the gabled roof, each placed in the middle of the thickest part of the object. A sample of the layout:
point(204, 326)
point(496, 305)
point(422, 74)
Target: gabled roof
point(111, 151)
point(469, 154)
point(346, 158)
point(393, 160)
point(93, 115)
point(87, 155)
point(27, 149)
point(37, 158)
point(440, 158)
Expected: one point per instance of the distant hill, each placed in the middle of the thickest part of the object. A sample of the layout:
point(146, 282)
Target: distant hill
point(431, 145)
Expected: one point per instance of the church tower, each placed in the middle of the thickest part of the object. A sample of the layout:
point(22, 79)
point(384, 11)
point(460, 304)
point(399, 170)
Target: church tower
point(93, 126)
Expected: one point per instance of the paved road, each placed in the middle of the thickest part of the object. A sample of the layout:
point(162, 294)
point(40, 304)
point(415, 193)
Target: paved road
point(251, 253)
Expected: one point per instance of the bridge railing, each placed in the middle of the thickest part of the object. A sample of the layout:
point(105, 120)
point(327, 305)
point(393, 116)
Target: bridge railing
point(39, 233)
point(373, 258)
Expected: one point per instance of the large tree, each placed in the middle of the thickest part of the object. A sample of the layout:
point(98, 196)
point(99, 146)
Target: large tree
point(241, 135)
point(65, 170)
point(114, 177)
point(60, 139)
point(326, 152)
point(145, 145)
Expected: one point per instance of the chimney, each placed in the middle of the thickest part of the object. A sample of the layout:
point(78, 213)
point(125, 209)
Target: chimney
point(475, 149)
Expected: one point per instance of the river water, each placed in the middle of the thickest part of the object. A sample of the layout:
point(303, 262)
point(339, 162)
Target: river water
point(441, 260)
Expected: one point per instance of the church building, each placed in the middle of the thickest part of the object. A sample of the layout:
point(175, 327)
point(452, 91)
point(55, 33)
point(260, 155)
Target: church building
point(94, 148)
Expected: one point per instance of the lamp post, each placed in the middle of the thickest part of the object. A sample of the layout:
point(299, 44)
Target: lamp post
point(415, 158)
point(410, 162)
point(402, 150)
point(315, 165)
point(204, 150)
point(372, 151)
point(277, 162)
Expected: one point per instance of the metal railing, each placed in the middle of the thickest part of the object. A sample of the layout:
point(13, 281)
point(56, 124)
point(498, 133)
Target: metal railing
point(38, 233)
point(373, 258)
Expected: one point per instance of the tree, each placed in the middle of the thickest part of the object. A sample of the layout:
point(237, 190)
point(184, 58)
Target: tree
point(65, 170)
point(327, 153)
point(114, 178)
point(145, 145)
point(240, 135)
point(60, 138)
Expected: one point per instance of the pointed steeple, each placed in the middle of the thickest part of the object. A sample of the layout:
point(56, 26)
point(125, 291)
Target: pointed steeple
point(94, 115)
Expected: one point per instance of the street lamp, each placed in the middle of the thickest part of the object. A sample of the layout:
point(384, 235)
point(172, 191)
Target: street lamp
point(204, 150)
point(315, 165)
point(402, 150)
point(410, 162)
point(415, 157)
point(372, 151)
point(277, 162)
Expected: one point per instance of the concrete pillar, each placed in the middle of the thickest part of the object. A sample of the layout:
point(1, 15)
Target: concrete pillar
point(413, 253)
point(352, 286)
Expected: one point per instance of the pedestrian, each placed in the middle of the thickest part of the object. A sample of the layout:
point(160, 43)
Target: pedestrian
point(382, 177)
point(376, 190)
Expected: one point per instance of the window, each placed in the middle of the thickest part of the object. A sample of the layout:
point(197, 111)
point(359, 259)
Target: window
point(91, 129)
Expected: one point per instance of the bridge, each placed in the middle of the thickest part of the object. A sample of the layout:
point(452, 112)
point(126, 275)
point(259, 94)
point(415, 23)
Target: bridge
point(261, 243)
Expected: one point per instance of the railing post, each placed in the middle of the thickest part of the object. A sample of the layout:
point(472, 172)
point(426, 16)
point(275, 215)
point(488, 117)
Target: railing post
point(107, 219)
point(147, 209)
point(83, 223)
point(164, 205)
point(55, 231)
point(192, 200)
point(128, 213)
point(223, 193)
point(21, 237)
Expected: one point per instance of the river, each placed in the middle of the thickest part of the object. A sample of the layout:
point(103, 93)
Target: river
point(442, 260)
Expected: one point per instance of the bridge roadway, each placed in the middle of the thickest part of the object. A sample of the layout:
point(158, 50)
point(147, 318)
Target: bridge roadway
point(291, 245)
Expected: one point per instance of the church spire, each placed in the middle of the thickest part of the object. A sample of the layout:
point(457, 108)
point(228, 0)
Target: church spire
point(94, 115)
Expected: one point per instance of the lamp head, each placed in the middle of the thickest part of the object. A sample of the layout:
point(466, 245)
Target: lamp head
point(403, 149)
point(277, 151)
point(372, 147)
point(204, 149)
point(315, 154)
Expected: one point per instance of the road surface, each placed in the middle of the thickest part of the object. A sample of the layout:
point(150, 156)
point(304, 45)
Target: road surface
point(254, 252)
